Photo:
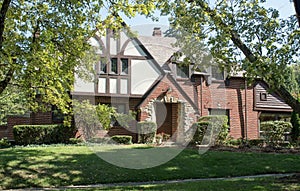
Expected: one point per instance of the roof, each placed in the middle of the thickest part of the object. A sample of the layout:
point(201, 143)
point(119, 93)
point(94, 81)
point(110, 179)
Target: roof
point(160, 48)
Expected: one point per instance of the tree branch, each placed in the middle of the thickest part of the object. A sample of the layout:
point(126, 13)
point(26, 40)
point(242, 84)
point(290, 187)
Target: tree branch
point(3, 11)
point(235, 38)
point(8, 77)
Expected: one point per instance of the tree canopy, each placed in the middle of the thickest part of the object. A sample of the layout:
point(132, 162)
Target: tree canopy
point(42, 42)
point(240, 35)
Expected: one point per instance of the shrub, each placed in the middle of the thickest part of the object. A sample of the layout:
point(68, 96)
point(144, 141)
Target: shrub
point(122, 139)
point(256, 142)
point(146, 131)
point(211, 130)
point(4, 143)
point(102, 140)
point(105, 114)
point(234, 142)
point(75, 141)
point(295, 121)
point(273, 131)
point(42, 134)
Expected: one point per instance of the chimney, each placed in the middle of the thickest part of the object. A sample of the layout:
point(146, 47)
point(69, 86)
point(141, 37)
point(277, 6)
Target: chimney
point(156, 32)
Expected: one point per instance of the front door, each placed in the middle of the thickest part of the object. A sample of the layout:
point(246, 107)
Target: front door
point(166, 117)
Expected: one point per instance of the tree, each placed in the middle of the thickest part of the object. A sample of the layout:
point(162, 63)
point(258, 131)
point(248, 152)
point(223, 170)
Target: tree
point(43, 42)
point(295, 121)
point(240, 35)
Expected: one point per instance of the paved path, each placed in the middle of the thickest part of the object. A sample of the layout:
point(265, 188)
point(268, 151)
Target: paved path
point(150, 182)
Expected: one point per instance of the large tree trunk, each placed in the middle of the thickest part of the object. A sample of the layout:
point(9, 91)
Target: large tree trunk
point(283, 93)
point(9, 74)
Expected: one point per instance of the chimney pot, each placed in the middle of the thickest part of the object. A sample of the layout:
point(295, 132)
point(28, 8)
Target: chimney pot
point(157, 32)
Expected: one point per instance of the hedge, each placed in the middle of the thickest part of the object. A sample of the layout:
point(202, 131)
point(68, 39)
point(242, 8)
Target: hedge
point(43, 134)
point(146, 131)
point(211, 130)
point(273, 131)
point(122, 139)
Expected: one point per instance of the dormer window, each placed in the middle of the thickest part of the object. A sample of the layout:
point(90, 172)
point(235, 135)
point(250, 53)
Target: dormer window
point(217, 73)
point(182, 70)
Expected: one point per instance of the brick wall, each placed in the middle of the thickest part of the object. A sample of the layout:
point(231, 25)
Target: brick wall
point(232, 97)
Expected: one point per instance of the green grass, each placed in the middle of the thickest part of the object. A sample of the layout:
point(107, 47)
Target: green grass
point(76, 165)
point(249, 184)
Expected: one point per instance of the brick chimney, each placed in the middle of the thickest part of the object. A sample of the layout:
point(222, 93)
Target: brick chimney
point(156, 32)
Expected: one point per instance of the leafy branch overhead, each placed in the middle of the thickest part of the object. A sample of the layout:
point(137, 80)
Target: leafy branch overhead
point(42, 43)
point(240, 35)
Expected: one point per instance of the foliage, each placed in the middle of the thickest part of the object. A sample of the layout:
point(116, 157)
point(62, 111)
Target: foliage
point(12, 102)
point(75, 141)
point(86, 118)
point(122, 139)
point(124, 119)
point(42, 134)
point(295, 121)
point(211, 130)
point(4, 143)
point(273, 131)
point(146, 131)
point(256, 142)
point(44, 42)
point(102, 140)
point(237, 35)
point(105, 114)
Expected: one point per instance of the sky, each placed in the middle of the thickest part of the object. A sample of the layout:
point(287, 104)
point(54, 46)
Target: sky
point(145, 25)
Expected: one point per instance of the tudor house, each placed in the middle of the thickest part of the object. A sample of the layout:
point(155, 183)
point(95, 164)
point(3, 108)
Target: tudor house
point(140, 74)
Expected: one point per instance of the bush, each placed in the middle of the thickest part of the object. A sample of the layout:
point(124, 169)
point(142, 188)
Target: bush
point(146, 131)
point(122, 139)
point(4, 143)
point(234, 142)
point(105, 114)
point(211, 130)
point(75, 141)
point(42, 134)
point(256, 142)
point(102, 140)
point(295, 121)
point(273, 131)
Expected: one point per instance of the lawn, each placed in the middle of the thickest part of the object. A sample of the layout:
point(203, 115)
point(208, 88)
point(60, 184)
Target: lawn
point(75, 165)
point(246, 184)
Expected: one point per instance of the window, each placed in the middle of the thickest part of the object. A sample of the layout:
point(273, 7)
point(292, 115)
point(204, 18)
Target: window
point(217, 73)
point(182, 70)
point(124, 66)
point(220, 112)
point(263, 96)
point(114, 66)
point(103, 67)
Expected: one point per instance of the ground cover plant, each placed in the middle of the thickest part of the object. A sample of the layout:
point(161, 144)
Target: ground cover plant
point(59, 165)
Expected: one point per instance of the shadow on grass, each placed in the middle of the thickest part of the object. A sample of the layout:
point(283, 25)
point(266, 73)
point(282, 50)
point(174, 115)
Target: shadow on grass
point(77, 165)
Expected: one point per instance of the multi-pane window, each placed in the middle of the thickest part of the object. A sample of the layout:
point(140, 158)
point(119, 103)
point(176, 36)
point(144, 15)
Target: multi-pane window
point(182, 71)
point(217, 73)
point(114, 77)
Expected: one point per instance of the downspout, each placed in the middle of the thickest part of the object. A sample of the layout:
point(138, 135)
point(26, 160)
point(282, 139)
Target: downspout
point(246, 112)
point(201, 95)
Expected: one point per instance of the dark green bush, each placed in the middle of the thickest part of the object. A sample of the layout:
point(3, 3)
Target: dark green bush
point(211, 130)
point(256, 142)
point(4, 143)
point(234, 142)
point(295, 121)
point(273, 131)
point(75, 141)
point(146, 131)
point(42, 134)
point(122, 139)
